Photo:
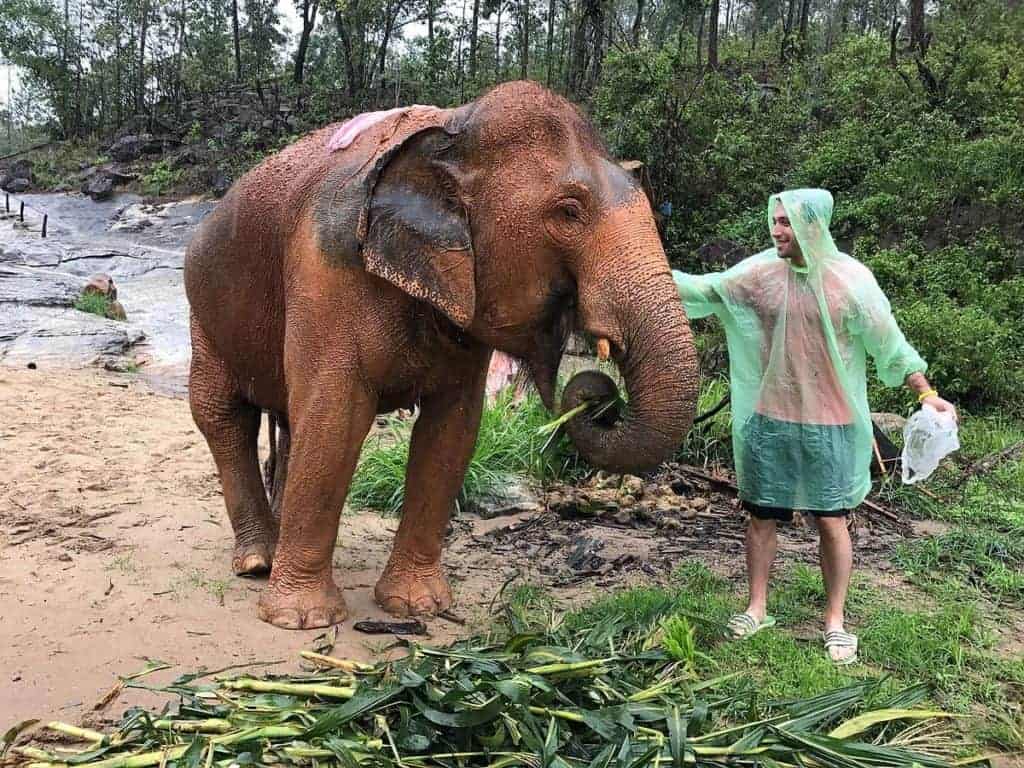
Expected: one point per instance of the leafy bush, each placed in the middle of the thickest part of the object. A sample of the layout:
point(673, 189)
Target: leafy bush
point(93, 303)
point(160, 178)
point(507, 444)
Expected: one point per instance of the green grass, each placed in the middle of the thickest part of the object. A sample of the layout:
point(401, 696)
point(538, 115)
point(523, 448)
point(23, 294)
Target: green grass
point(949, 648)
point(507, 444)
point(93, 303)
point(710, 441)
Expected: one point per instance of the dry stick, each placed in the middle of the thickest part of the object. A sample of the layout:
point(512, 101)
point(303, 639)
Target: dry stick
point(872, 506)
point(986, 464)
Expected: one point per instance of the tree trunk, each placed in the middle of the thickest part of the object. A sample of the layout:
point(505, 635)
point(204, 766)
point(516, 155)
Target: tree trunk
point(638, 22)
point(551, 41)
point(140, 94)
point(713, 34)
point(474, 27)
point(309, 11)
point(805, 12)
point(700, 39)
point(524, 59)
point(755, 22)
point(352, 81)
point(238, 45)
point(431, 67)
point(497, 44)
point(917, 26)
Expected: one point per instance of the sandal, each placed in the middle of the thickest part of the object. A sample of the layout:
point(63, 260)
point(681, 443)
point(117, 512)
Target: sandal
point(743, 625)
point(840, 640)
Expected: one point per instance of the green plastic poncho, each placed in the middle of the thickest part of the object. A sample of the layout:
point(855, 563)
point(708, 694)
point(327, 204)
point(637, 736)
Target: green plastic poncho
point(797, 338)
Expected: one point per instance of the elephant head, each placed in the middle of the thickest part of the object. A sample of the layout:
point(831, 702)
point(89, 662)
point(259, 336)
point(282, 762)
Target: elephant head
point(512, 219)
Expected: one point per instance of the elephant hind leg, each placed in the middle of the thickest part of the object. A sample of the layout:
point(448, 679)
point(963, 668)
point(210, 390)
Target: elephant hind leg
point(231, 427)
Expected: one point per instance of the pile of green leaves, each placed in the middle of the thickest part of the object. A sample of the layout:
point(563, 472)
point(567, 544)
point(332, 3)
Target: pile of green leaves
point(601, 695)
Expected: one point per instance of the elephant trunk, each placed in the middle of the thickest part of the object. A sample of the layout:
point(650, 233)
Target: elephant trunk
point(653, 348)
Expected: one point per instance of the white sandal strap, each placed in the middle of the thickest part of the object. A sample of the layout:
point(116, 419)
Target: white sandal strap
point(837, 638)
point(743, 623)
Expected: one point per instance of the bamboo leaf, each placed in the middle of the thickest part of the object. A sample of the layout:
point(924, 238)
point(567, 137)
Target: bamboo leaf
point(468, 718)
point(676, 736)
point(334, 718)
point(861, 723)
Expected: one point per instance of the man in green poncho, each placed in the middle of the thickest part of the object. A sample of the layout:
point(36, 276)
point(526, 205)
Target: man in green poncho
point(799, 320)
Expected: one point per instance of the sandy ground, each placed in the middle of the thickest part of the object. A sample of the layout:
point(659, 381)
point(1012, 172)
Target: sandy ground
point(115, 548)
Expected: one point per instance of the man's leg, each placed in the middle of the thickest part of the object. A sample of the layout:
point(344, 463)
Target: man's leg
point(836, 565)
point(761, 545)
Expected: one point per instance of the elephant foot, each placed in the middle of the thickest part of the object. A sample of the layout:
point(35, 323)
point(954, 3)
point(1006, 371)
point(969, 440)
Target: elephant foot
point(252, 558)
point(407, 588)
point(309, 607)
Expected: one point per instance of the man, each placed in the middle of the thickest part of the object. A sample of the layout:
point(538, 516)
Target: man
point(799, 320)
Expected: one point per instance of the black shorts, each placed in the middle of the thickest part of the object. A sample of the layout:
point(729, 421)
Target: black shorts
point(783, 515)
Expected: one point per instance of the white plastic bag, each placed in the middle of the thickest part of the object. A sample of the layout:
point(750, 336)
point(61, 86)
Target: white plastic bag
point(928, 437)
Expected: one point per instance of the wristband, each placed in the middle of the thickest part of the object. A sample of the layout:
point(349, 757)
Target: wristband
point(925, 395)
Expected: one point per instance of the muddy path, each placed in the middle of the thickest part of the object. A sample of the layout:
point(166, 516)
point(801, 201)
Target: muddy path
point(115, 548)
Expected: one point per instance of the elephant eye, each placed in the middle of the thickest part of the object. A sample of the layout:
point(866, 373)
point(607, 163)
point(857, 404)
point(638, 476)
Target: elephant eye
point(572, 209)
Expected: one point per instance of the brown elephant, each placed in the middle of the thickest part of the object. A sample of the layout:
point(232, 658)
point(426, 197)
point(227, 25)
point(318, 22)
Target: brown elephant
point(331, 285)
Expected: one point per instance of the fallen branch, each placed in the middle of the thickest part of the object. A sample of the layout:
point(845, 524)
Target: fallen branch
point(44, 145)
point(987, 464)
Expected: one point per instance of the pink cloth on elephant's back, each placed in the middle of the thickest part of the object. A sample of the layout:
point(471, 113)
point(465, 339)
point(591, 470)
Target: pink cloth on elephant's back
point(351, 129)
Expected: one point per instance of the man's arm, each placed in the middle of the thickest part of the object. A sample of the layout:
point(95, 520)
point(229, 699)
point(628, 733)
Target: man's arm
point(698, 293)
point(927, 395)
point(895, 359)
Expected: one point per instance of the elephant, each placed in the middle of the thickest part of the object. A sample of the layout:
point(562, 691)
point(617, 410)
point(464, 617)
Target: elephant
point(358, 272)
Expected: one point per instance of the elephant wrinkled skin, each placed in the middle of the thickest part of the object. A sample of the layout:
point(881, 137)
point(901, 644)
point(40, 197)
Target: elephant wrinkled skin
point(334, 284)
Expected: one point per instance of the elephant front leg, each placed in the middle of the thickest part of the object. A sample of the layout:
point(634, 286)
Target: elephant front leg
point(413, 583)
point(326, 437)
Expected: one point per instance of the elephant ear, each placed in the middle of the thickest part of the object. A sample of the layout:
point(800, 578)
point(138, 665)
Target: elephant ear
point(414, 229)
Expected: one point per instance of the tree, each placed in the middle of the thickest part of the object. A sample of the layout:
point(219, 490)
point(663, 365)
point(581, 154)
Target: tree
point(307, 10)
point(713, 15)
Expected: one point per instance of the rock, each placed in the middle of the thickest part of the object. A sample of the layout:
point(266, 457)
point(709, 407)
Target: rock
point(516, 496)
point(889, 422)
point(605, 480)
point(688, 513)
point(37, 287)
point(698, 503)
point(117, 364)
point(627, 501)
point(18, 185)
point(115, 311)
point(98, 186)
point(187, 157)
point(220, 184)
point(583, 556)
point(671, 524)
point(102, 284)
point(632, 485)
point(22, 169)
point(624, 517)
point(130, 147)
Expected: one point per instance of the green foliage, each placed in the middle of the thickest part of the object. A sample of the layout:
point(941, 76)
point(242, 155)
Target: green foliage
point(679, 639)
point(710, 441)
point(160, 178)
point(991, 561)
point(507, 444)
point(93, 303)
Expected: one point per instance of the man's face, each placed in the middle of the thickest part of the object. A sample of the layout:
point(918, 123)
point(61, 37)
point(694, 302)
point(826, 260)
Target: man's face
point(782, 233)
